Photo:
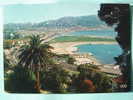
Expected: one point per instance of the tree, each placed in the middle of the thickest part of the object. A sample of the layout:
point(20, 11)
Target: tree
point(71, 60)
point(7, 44)
point(6, 62)
point(35, 56)
point(56, 80)
point(91, 80)
point(20, 80)
point(119, 15)
point(7, 65)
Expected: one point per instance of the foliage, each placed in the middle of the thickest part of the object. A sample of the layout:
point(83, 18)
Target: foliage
point(11, 34)
point(35, 56)
point(79, 38)
point(71, 60)
point(102, 82)
point(7, 44)
point(66, 56)
point(90, 80)
point(37, 71)
point(119, 15)
point(56, 79)
point(20, 80)
point(6, 63)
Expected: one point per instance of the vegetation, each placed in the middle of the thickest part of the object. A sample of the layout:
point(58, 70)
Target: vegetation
point(7, 44)
point(56, 80)
point(11, 34)
point(71, 60)
point(20, 80)
point(35, 56)
point(7, 64)
point(121, 18)
point(38, 70)
point(79, 39)
point(92, 80)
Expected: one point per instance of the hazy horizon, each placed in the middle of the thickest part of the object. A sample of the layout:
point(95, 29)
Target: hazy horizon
point(22, 13)
point(46, 20)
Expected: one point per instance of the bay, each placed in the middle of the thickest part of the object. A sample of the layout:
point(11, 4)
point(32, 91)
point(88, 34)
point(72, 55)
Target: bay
point(104, 53)
point(109, 32)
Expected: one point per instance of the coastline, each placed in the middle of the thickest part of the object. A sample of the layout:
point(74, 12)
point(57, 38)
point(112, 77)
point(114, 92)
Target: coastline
point(70, 48)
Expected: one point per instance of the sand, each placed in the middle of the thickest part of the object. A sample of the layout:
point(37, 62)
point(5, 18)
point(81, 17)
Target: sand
point(70, 48)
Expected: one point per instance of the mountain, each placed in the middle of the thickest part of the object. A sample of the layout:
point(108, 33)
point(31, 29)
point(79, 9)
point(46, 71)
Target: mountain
point(64, 22)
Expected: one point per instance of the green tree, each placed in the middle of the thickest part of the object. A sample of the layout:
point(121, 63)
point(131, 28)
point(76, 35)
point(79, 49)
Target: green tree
point(90, 79)
point(6, 63)
point(7, 44)
point(35, 56)
point(20, 80)
point(119, 15)
point(71, 60)
point(56, 80)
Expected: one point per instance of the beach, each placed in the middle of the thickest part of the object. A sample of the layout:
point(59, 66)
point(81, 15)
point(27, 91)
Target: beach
point(70, 48)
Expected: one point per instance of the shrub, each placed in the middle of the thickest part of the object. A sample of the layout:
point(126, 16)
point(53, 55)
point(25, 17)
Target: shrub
point(102, 82)
point(71, 60)
point(20, 81)
point(91, 80)
point(7, 44)
point(56, 80)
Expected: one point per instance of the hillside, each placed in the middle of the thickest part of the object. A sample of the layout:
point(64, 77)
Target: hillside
point(64, 22)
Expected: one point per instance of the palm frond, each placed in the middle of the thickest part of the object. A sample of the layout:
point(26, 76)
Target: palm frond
point(35, 55)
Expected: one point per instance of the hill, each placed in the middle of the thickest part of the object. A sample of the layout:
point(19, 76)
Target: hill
point(64, 22)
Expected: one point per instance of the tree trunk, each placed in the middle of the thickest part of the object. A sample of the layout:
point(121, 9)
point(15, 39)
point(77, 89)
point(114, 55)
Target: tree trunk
point(37, 85)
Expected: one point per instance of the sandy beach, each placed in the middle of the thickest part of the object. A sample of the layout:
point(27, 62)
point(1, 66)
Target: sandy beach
point(70, 48)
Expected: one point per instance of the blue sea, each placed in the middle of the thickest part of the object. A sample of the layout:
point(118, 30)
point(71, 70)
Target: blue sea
point(104, 53)
point(108, 32)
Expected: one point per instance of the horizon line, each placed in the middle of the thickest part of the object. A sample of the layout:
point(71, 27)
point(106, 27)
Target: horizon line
point(28, 22)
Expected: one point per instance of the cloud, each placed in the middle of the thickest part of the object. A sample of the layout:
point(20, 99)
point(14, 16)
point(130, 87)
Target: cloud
point(9, 2)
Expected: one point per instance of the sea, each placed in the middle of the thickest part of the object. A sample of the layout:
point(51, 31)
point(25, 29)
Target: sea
point(105, 53)
point(100, 32)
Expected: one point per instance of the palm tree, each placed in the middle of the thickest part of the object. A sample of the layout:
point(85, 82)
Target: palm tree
point(35, 56)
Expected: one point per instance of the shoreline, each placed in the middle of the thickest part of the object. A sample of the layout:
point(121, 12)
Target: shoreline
point(70, 48)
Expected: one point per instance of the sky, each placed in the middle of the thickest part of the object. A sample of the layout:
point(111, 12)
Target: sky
point(42, 12)
point(34, 11)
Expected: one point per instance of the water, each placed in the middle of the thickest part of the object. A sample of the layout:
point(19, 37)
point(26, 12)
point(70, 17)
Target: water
point(104, 53)
point(109, 32)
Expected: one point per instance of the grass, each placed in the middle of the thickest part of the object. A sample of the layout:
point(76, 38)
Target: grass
point(80, 39)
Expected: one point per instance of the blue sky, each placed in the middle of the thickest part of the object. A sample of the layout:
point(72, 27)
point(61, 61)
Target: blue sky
point(41, 12)
point(34, 11)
